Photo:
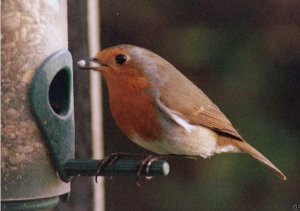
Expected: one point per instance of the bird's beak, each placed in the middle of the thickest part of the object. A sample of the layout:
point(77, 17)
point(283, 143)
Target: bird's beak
point(98, 62)
point(82, 64)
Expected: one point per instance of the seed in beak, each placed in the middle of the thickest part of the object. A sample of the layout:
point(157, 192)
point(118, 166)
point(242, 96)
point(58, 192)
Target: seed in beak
point(81, 63)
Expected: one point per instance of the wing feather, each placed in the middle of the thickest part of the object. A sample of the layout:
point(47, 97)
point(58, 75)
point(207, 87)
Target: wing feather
point(212, 117)
point(180, 95)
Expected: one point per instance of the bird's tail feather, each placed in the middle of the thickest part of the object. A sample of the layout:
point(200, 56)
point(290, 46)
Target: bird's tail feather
point(261, 158)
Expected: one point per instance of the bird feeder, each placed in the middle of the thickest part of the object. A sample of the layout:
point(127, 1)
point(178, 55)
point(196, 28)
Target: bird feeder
point(31, 32)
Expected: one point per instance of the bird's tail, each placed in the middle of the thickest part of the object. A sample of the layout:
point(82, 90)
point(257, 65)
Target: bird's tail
point(257, 155)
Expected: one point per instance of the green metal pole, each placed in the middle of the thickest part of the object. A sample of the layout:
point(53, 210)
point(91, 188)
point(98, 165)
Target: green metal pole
point(86, 167)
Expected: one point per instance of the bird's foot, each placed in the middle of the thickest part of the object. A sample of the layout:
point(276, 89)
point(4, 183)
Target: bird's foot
point(144, 166)
point(111, 159)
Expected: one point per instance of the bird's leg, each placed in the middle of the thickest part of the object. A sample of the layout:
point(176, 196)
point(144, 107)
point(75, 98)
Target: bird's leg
point(112, 158)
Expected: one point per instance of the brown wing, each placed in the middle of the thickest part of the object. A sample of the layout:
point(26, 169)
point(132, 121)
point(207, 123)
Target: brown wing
point(183, 97)
point(212, 117)
point(208, 116)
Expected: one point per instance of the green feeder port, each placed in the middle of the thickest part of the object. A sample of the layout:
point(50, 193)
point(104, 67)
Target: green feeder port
point(51, 96)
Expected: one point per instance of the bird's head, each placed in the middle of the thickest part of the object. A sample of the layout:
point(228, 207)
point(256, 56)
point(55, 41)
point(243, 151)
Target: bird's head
point(130, 61)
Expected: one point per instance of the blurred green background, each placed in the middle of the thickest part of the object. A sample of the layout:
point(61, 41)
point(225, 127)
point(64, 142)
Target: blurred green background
point(245, 55)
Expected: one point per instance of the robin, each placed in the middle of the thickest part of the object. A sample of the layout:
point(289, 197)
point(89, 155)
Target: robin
point(161, 110)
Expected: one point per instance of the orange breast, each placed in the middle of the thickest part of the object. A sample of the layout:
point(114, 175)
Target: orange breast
point(132, 105)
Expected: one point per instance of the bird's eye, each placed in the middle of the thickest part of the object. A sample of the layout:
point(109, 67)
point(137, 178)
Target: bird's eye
point(121, 59)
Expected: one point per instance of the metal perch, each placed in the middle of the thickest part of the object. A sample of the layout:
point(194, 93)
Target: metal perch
point(86, 167)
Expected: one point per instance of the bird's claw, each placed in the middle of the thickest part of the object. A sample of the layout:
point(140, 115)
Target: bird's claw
point(143, 167)
point(111, 159)
point(108, 160)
